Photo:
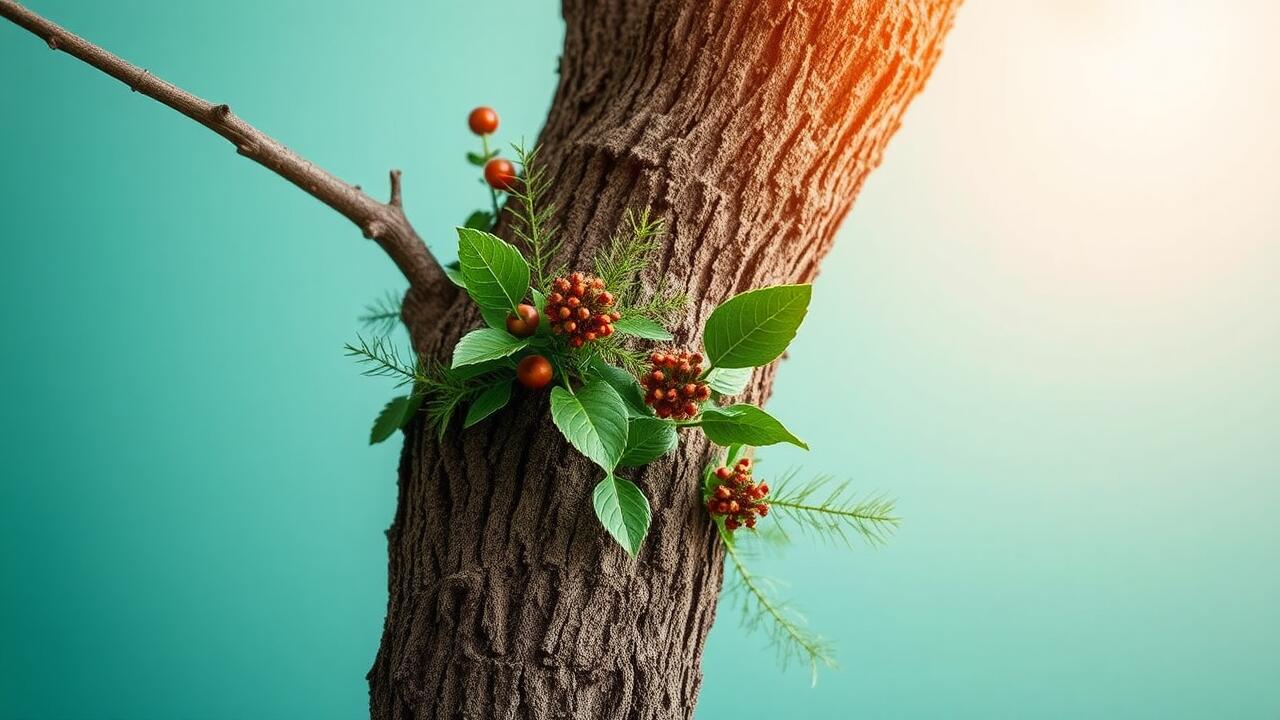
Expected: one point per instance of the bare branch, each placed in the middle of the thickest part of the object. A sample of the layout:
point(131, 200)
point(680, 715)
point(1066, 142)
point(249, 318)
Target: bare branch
point(384, 222)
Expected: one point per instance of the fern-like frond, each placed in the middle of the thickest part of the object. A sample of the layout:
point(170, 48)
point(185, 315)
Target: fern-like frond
point(614, 352)
point(446, 390)
point(831, 510)
point(383, 314)
point(662, 307)
point(628, 253)
point(784, 627)
point(533, 226)
point(381, 358)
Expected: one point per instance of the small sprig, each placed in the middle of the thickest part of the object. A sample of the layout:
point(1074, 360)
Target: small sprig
point(381, 358)
point(382, 315)
point(447, 390)
point(784, 626)
point(533, 218)
point(612, 351)
point(831, 510)
point(628, 253)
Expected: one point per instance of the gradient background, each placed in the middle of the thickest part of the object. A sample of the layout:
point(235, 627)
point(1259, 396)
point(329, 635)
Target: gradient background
point(1050, 328)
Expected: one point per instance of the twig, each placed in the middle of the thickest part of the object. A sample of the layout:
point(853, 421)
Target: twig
point(383, 222)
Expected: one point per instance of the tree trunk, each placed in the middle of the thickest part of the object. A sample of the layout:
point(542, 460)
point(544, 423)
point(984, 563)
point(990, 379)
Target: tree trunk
point(748, 126)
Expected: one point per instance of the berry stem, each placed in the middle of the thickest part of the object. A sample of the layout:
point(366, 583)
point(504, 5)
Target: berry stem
point(493, 194)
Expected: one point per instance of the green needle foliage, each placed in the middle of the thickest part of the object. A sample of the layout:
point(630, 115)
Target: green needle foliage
point(533, 224)
point(785, 628)
point(382, 315)
point(447, 390)
point(831, 510)
point(628, 254)
point(380, 358)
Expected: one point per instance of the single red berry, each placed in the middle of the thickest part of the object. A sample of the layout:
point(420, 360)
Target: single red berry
point(724, 473)
point(534, 372)
point(525, 325)
point(500, 173)
point(483, 120)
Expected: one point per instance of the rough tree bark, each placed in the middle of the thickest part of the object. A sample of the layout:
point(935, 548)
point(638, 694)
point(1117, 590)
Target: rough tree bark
point(749, 126)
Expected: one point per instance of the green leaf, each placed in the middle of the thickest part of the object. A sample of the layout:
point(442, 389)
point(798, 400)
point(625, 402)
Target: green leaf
point(489, 402)
point(745, 425)
point(641, 327)
point(729, 381)
point(495, 273)
point(395, 415)
point(593, 420)
point(452, 271)
point(648, 439)
point(485, 344)
point(540, 304)
point(626, 385)
point(623, 510)
point(754, 328)
point(479, 220)
point(479, 160)
point(495, 318)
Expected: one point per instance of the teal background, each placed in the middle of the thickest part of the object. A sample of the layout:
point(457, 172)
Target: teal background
point(1049, 328)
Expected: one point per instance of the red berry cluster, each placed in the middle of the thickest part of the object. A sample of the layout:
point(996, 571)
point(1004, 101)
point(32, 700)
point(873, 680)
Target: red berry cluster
point(578, 307)
point(736, 498)
point(672, 388)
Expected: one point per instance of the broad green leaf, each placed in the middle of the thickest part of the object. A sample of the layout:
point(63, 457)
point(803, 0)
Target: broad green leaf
point(485, 344)
point(623, 510)
point(489, 402)
point(754, 328)
point(745, 425)
point(626, 385)
point(593, 420)
point(641, 327)
point(648, 439)
point(495, 318)
point(479, 220)
point(495, 273)
point(452, 271)
point(729, 381)
point(395, 415)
